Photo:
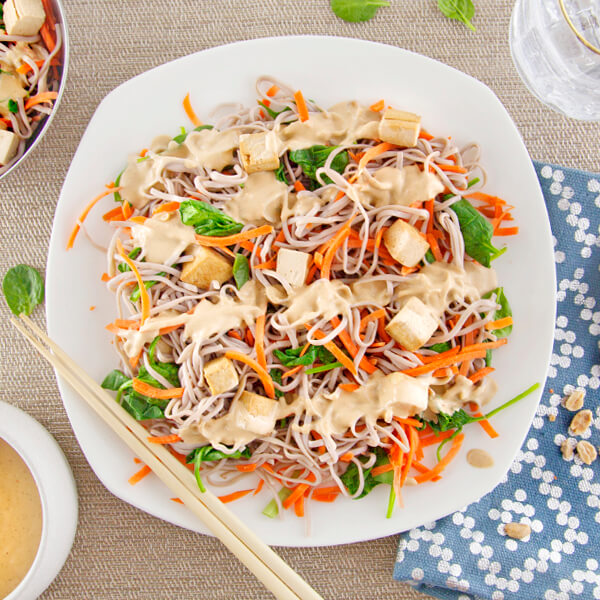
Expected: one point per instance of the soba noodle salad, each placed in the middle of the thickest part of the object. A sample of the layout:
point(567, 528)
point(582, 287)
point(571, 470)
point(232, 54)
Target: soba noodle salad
point(30, 71)
point(304, 297)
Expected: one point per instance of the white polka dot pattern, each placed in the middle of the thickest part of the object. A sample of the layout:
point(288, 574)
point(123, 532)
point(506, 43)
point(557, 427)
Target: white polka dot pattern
point(467, 555)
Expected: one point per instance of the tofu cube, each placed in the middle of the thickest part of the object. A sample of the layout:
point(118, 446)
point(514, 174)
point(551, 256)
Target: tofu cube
point(221, 376)
point(400, 127)
point(23, 17)
point(259, 151)
point(293, 266)
point(206, 267)
point(9, 143)
point(256, 413)
point(405, 243)
point(413, 325)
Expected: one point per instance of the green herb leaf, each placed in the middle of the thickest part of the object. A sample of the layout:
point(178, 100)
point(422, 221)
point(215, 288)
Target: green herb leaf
point(183, 135)
point(135, 295)
point(23, 289)
point(13, 107)
point(291, 357)
point(322, 368)
point(280, 174)
point(123, 266)
point(477, 232)
point(271, 510)
point(139, 407)
point(116, 195)
point(311, 159)
point(114, 380)
point(456, 420)
point(241, 270)
point(351, 478)
point(276, 376)
point(272, 113)
point(354, 11)
point(429, 257)
point(460, 10)
point(503, 311)
point(207, 220)
point(208, 454)
point(170, 371)
point(441, 347)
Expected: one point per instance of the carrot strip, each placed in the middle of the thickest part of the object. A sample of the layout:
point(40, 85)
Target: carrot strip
point(445, 362)
point(234, 334)
point(408, 421)
point(478, 375)
point(189, 111)
point(333, 245)
point(450, 455)
point(134, 360)
point(373, 152)
point(435, 248)
point(299, 186)
point(435, 357)
point(167, 207)
point(247, 468)
point(351, 347)
point(297, 492)
point(138, 220)
point(507, 231)
point(414, 443)
point(452, 168)
point(425, 135)
point(116, 214)
point(434, 439)
point(40, 99)
point(234, 496)
point(259, 341)
point(299, 506)
point(486, 345)
point(259, 487)
point(292, 372)
point(370, 317)
point(347, 457)
point(331, 497)
point(153, 392)
point(249, 337)
point(381, 469)
point(85, 213)
point(262, 373)
point(165, 330)
point(165, 439)
point(377, 106)
point(145, 470)
point(270, 264)
point(272, 90)
point(230, 240)
point(143, 291)
point(301, 105)
point(178, 500)
point(348, 387)
point(499, 323)
point(335, 351)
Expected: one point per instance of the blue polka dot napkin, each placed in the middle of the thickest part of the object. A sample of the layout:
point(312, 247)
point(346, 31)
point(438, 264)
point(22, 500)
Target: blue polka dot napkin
point(467, 555)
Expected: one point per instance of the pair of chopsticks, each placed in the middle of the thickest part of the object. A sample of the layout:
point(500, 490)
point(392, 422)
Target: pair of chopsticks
point(267, 566)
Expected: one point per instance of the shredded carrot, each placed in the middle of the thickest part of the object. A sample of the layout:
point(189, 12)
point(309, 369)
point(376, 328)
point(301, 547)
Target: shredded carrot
point(234, 334)
point(299, 186)
point(373, 152)
point(499, 323)
point(85, 213)
point(272, 91)
point(445, 362)
point(456, 444)
point(189, 111)
point(259, 341)
point(425, 135)
point(325, 497)
point(259, 487)
point(230, 240)
point(447, 371)
point(347, 457)
point(165, 330)
point(116, 214)
point(370, 317)
point(93, 307)
point(435, 249)
point(165, 439)
point(178, 500)
point(408, 421)
point(299, 506)
point(137, 461)
point(246, 245)
point(434, 439)
point(153, 392)
point(145, 470)
point(481, 374)
point(318, 258)
point(301, 105)
point(139, 220)
point(377, 106)
point(348, 387)
point(506, 231)
point(335, 351)
point(333, 245)
point(381, 469)
point(486, 345)
point(25, 67)
point(134, 360)
point(247, 468)
point(270, 264)
point(413, 438)
point(452, 168)
point(298, 491)
point(446, 353)
point(47, 37)
point(262, 373)
point(234, 496)
point(265, 101)
point(40, 99)
point(352, 348)
point(143, 291)
point(249, 337)
point(167, 207)
point(292, 372)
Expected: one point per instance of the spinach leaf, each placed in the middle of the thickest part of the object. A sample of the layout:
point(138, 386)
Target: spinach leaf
point(170, 371)
point(503, 311)
point(272, 113)
point(329, 367)
point(183, 135)
point(139, 407)
point(276, 375)
point(477, 232)
point(280, 174)
point(241, 270)
point(23, 289)
point(208, 453)
point(356, 10)
point(351, 478)
point(460, 10)
point(291, 357)
point(13, 107)
point(311, 159)
point(441, 347)
point(114, 380)
point(206, 219)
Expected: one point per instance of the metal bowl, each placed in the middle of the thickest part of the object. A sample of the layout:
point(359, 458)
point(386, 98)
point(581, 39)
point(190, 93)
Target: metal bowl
point(40, 131)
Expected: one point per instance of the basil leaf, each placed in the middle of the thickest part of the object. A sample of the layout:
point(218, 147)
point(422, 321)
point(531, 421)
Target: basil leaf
point(311, 159)
point(441, 347)
point(183, 135)
point(114, 380)
point(241, 270)
point(276, 375)
point(23, 289)
point(272, 113)
point(351, 478)
point(208, 453)
point(280, 174)
point(460, 10)
point(355, 11)
point(207, 220)
point(503, 311)
point(477, 233)
point(170, 371)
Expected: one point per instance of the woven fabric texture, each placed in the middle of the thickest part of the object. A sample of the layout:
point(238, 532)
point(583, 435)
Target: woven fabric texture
point(120, 552)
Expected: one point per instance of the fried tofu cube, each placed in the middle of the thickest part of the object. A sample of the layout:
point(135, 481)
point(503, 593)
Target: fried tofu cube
point(9, 143)
point(23, 17)
point(259, 151)
point(206, 267)
point(400, 127)
point(256, 413)
point(413, 325)
point(221, 376)
point(293, 266)
point(405, 243)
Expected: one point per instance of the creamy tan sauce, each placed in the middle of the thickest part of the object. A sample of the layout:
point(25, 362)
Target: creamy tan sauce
point(20, 519)
point(134, 340)
point(210, 148)
point(11, 88)
point(390, 185)
point(163, 237)
point(439, 284)
point(480, 459)
point(260, 201)
point(372, 292)
point(450, 399)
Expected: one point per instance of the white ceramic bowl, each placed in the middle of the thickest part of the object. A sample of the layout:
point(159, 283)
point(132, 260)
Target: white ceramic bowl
point(58, 494)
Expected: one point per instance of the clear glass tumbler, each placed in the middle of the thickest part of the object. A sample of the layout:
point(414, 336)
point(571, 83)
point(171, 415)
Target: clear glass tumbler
point(555, 45)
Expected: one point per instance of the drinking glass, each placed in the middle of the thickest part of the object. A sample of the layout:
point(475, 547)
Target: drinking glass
point(555, 45)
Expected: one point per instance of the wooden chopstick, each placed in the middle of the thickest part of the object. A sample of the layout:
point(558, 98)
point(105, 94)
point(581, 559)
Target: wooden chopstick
point(267, 566)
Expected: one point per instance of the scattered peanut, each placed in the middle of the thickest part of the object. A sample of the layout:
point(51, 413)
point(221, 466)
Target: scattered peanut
point(574, 401)
point(551, 418)
point(581, 421)
point(567, 449)
point(586, 452)
point(518, 531)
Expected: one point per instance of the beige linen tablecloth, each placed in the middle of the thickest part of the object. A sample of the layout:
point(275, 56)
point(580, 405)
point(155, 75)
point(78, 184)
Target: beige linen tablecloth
point(120, 552)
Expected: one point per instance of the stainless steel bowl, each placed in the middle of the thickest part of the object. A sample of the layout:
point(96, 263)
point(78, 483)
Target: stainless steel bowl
point(39, 133)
